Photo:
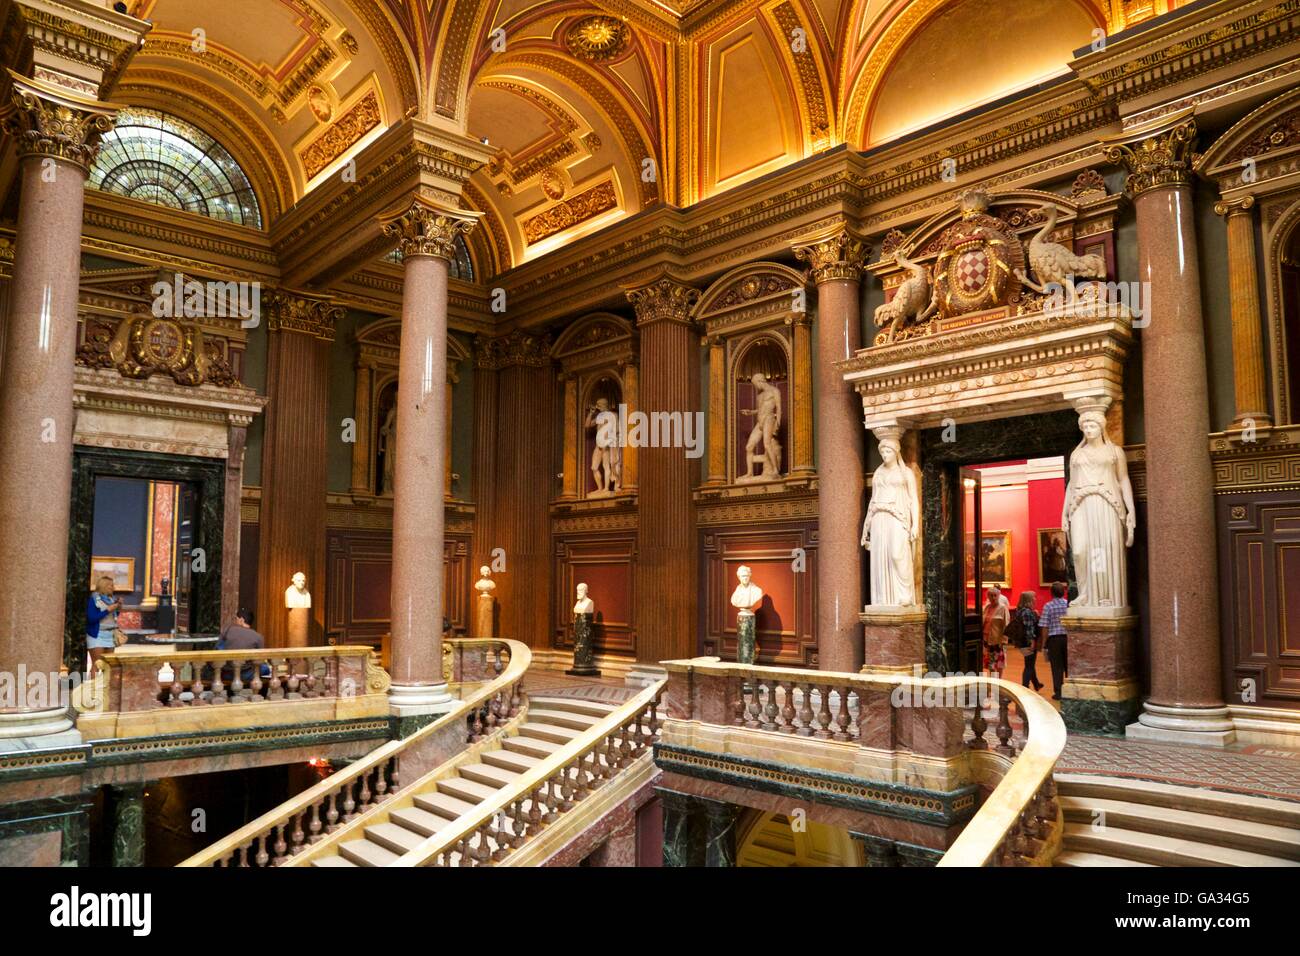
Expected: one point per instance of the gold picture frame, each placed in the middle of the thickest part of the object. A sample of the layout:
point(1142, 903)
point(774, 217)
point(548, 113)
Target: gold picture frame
point(120, 569)
point(995, 559)
point(1053, 538)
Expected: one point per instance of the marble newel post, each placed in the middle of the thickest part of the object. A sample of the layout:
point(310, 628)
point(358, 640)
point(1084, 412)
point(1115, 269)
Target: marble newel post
point(1186, 701)
point(425, 233)
point(56, 135)
point(835, 265)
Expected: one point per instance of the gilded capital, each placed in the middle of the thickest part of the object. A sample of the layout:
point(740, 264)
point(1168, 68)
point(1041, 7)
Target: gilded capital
point(665, 300)
point(1163, 158)
point(423, 228)
point(47, 121)
point(512, 349)
point(838, 255)
point(1234, 207)
point(314, 315)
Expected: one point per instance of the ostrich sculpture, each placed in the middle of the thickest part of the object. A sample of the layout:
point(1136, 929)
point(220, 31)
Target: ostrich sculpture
point(1055, 264)
point(910, 298)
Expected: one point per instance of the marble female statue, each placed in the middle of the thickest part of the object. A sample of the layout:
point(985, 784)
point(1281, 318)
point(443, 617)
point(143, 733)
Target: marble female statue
point(1099, 518)
point(388, 445)
point(893, 518)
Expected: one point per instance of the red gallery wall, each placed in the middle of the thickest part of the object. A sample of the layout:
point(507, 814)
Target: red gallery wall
point(1023, 509)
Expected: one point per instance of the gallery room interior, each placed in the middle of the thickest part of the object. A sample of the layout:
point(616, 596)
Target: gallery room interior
point(649, 433)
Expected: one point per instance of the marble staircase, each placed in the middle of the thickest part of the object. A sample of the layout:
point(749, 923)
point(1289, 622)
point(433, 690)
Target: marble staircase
point(552, 723)
point(1114, 821)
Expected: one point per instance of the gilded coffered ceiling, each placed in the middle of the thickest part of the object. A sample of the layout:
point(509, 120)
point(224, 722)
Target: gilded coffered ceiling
point(595, 109)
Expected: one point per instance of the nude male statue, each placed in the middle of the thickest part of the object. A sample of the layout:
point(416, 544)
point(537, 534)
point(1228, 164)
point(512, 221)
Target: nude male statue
point(767, 420)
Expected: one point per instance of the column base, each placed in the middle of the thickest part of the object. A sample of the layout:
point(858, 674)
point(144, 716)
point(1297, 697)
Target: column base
point(1195, 726)
point(1102, 694)
point(39, 729)
point(413, 700)
point(893, 639)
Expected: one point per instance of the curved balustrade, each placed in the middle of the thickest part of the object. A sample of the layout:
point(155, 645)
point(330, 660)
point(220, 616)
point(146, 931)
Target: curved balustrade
point(1017, 824)
point(512, 817)
point(276, 837)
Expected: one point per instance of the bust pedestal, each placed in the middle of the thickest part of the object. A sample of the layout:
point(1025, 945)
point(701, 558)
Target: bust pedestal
point(299, 621)
point(1101, 695)
point(746, 637)
point(584, 650)
point(893, 638)
point(484, 617)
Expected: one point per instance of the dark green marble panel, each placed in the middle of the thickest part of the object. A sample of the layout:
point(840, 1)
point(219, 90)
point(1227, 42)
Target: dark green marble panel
point(127, 802)
point(67, 815)
point(1100, 717)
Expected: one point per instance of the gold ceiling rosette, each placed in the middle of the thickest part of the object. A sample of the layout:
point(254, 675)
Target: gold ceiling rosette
point(598, 38)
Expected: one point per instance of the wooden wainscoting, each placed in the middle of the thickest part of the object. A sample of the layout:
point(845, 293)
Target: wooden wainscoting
point(603, 560)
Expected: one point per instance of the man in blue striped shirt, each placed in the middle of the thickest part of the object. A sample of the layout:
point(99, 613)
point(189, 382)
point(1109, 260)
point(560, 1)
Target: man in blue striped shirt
point(1051, 626)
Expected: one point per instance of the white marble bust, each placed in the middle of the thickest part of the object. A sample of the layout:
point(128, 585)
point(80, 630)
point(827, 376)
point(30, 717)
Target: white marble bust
point(296, 594)
point(747, 595)
point(485, 585)
point(585, 604)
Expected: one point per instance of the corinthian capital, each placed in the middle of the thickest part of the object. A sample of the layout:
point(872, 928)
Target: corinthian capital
point(314, 315)
point(834, 255)
point(1156, 158)
point(665, 300)
point(424, 228)
point(45, 120)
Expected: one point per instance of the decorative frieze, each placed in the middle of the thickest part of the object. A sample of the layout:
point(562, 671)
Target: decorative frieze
point(571, 212)
point(359, 120)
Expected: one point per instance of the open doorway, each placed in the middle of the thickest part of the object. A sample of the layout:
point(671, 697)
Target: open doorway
point(1011, 538)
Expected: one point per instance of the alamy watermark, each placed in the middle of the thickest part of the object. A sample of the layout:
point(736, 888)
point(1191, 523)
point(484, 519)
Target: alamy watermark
point(192, 299)
point(651, 430)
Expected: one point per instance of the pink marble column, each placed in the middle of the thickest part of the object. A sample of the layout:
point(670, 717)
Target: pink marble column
point(1186, 701)
point(425, 234)
point(835, 265)
point(36, 399)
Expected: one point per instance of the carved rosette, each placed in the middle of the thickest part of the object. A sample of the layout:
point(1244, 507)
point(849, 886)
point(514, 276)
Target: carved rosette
point(298, 312)
point(663, 301)
point(48, 122)
point(426, 229)
point(840, 255)
point(1159, 160)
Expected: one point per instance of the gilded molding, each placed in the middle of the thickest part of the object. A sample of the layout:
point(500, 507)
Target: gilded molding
point(663, 301)
point(47, 121)
point(423, 228)
point(1158, 160)
point(840, 255)
point(299, 312)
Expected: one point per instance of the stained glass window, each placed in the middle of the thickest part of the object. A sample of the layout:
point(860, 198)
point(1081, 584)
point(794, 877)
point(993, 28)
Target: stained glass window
point(161, 159)
point(462, 267)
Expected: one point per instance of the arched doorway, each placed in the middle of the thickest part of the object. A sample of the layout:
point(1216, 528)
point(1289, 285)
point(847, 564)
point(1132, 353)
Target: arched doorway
point(777, 839)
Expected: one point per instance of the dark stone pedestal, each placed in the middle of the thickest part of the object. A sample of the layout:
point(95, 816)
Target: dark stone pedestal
point(584, 647)
point(1101, 693)
point(746, 637)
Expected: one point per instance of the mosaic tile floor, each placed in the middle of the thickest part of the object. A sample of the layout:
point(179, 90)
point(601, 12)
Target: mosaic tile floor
point(559, 684)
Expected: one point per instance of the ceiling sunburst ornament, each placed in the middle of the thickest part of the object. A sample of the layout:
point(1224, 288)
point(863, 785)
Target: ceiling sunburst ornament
point(598, 38)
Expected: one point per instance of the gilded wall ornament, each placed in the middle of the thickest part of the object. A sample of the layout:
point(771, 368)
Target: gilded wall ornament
point(297, 312)
point(425, 229)
point(1163, 159)
point(663, 301)
point(840, 255)
point(571, 212)
point(144, 345)
point(552, 183)
point(359, 120)
point(47, 121)
point(598, 38)
point(977, 264)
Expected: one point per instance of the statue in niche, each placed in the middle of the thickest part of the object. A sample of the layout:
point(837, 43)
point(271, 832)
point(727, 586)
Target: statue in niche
point(893, 519)
point(388, 445)
point(910, 299)
point(1099, 519)
point(767, 420)
point(745, 599)
point(606, 457)
point(1055, 265)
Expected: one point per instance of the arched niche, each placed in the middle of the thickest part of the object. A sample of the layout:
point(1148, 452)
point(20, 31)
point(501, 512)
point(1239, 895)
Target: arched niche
point(597, 356)
point(378, 357)
point(755, 319)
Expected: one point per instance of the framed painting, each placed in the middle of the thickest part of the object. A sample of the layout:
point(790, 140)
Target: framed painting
point(1051, 557)
point(994, 558)
point(121, 570)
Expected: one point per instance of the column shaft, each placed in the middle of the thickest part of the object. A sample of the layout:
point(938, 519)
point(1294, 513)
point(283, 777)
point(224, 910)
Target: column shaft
point(361, 451)
point(1247, 340)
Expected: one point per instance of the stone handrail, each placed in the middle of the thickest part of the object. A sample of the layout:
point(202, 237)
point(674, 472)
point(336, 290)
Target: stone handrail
point(518, 812)
point(277, 836)
point(1018, 823)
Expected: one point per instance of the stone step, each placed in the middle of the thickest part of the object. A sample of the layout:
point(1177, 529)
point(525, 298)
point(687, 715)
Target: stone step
point(1078, 858)
point(553, 732)
point(493, 776)
point(1237, 806)
point(1281, 842)
point(421, 821)
point(471, 791)
point(562, 718)
point(536, 747)
point(332, 861)
point(367, 853)
point(510, 760)
point(578, 705)
point(394, 836)
point(443, 804)
point(1159, 850)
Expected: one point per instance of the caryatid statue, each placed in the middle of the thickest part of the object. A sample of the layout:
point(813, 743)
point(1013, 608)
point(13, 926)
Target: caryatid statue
point(1099, 518)
point(890, 529)
point(388, 445)
point(606, 457)
point(767, 421)
point(745, 599)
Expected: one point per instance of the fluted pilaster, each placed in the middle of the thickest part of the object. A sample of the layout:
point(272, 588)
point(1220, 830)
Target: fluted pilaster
point(1249, 391)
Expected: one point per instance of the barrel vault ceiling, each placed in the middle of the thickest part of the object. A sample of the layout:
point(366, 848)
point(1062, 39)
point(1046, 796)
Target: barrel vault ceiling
point(596, 110)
